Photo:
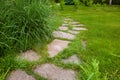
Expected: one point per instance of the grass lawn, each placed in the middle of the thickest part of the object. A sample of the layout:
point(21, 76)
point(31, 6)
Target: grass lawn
point(103, 38)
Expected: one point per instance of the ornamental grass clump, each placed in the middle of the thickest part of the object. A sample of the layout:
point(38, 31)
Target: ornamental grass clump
point(23, 23)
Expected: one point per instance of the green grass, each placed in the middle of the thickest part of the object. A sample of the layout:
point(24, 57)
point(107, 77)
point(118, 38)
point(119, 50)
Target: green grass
point(103, 24)
point(101, 56)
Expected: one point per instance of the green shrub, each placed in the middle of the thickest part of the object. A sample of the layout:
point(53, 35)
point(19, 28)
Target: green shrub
point(23, 23)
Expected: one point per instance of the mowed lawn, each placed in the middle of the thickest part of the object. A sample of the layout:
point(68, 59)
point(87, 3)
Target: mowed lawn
point(103, 37)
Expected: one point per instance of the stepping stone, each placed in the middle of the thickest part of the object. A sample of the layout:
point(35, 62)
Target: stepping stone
point(68, 19)
point(60, 34)
point(78, 29)
point(57, 46)
point(63, 28)
point(73, 59)
point(74, 23)
point(73, 32)
point(65, 24)
point(19, 75)
point(29, 55)
point(78, 25)
point(84, 43)
point(52, 72)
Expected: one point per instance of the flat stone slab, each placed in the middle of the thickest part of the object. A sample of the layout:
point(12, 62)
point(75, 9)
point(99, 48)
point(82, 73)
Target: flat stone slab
point(78, 25)
point(52, 72)
point(65, 24)
point(84, 44)
point(68, 19)
point(60, 34)
point(57, 46)
point(73, 59)
point(19, 75)
point(30, 55)
point(74, 23)
point(63, 28)
point(73, 32)
point(78, 29)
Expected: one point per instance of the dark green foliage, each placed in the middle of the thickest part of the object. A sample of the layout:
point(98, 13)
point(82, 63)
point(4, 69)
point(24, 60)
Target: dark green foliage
point(23, 23)
point(69, 2)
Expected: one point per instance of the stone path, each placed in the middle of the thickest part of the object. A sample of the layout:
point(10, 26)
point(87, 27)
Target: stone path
point(63, 36)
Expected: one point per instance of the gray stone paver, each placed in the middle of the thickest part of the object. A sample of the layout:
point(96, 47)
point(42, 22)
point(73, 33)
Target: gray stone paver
point(19, 75)
point(74, 23)
point(65, 24)
point(73, 59)
point(52, 72)
point(60, 34)
point(78, 25)
point(30, 55)
point(63, 28)
point(73, 32)
point(78, 29)
point(57, 46)
point(84, 43)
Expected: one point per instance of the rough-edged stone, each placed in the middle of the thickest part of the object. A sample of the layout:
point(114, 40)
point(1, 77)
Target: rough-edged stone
point(57, 46)
point(63, 28)
point(74, 23)
point(78, 29)
point(73, 32)
point(30, 55)
point(52, 72)
point(60, 34)
point(19, 75)
point(78, 25)
point(73, 59)
point(65, 24)
point(84, 43)
point(68, 19)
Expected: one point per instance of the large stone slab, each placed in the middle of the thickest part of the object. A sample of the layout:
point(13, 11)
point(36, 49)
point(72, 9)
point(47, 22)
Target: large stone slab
point(60, 34)
point(68, 19)
point(78, 29)
point(19, 75)
point(30, 55)
point(73, 32)
point(52, 72)
point(73, 59)
point(57, 46)
point(63, 28)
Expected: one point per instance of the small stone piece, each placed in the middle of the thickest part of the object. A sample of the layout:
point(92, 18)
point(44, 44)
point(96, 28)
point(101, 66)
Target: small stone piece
point(74, 23)
point(65, 24)
point(52, 72)
point(60, 34)
point(78, 25)
point(73, 32)
point(63, 28)
point(84, 43)
point(56, 46)
point(30, 55)
point(68, 19)
point(19, 75)
point(78, 29)
point(73, 59)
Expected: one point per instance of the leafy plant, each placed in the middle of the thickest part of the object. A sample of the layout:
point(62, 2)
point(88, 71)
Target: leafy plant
point(91, 71)
point(23, 23)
